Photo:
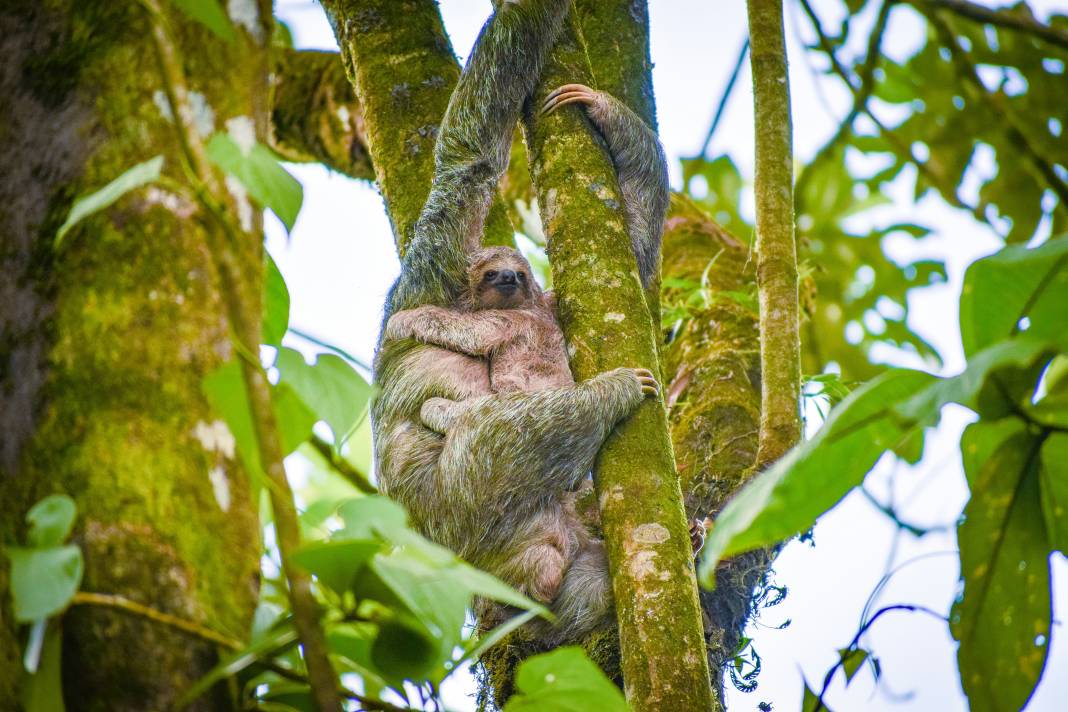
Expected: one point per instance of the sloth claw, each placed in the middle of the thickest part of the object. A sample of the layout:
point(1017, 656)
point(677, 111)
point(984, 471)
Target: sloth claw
point(647, 381)
point(568, 94)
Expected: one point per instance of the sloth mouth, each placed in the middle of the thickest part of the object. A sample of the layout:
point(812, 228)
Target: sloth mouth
point(506, 288)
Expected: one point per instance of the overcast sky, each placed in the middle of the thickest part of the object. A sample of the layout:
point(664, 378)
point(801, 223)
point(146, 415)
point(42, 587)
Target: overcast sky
point(339, 263)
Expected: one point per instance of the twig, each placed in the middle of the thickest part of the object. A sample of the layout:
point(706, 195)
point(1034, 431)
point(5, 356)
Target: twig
point(224, 237)
point(776, 249)
point(343, 467)
point(1001, 18)
point(331, 347)
point(109, 600)
point(725, 97)
point(856, 640)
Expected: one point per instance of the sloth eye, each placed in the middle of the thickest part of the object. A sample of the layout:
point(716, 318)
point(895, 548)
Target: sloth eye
point(492, 274)
point(521, 275)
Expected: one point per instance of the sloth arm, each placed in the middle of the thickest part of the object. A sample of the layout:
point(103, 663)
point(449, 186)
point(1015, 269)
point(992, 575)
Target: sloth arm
point(472, 333)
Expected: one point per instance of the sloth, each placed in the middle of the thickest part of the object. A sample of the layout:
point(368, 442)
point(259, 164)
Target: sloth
point(492, 477)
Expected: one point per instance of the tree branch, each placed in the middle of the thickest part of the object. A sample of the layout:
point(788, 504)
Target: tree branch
point(1010, 18)
point(242, 306)
point(605, 317)
point(724, 98)
point(343, 467)
point(780, 346)
point(315, 116)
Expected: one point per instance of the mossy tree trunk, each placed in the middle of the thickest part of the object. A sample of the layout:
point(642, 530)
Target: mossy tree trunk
point(104, 342)
point(712, 365)
point(776, 249)
point(608, 323)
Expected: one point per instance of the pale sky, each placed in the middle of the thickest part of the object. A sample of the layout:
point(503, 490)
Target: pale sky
point(340, 261)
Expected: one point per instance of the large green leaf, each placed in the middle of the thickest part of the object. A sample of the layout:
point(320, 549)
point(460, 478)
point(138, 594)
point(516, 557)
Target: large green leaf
point(208, 13)
point(275, 303)
point(788, 497)
point(1003, 619)
point(330, 387)
point(51, 520)
point(44, 580)
point(1054, 489)
point(564, 680)
point(130, 179)
point(263, 176)
point(1001, 290)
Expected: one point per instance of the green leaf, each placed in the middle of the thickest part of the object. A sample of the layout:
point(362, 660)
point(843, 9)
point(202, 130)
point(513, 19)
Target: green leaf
point(1054, 483)
point(43, 581)
point(208, 13)
point(43, 690)
point(1014, 283)
point(275, 303)
point(372, 517)
point(352, 643)
point(788, 497)
point(260, 172)
point(852, 659)
point(51, 520)
point(1003, 618)
point(331, 387)
point(225, 390)
point(405, 650)
point(811, 702)
point(86, 205)
point(336, 563)
point(970, 388)
point(295, 419)
point(564, 680)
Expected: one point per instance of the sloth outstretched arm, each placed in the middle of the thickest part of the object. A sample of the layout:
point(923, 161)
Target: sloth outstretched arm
point(472, 149)
point(640, 167)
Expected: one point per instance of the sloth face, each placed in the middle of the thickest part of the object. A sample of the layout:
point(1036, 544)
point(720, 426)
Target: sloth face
point(500, 279)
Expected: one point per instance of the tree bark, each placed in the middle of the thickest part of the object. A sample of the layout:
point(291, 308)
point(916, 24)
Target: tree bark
point(403, 70)
point(105, 342)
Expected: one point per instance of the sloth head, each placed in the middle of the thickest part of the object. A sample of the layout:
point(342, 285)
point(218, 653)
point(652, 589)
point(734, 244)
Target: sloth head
point(500, 278)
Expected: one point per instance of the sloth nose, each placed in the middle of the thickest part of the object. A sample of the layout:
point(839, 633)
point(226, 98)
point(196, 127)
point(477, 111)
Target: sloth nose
point(506, 276)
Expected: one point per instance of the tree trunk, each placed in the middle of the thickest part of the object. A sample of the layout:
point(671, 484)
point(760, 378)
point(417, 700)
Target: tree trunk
point(106, 340)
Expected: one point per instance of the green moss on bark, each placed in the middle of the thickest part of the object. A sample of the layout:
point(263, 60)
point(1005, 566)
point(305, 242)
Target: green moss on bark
point(130, 322)
point(315, 115)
